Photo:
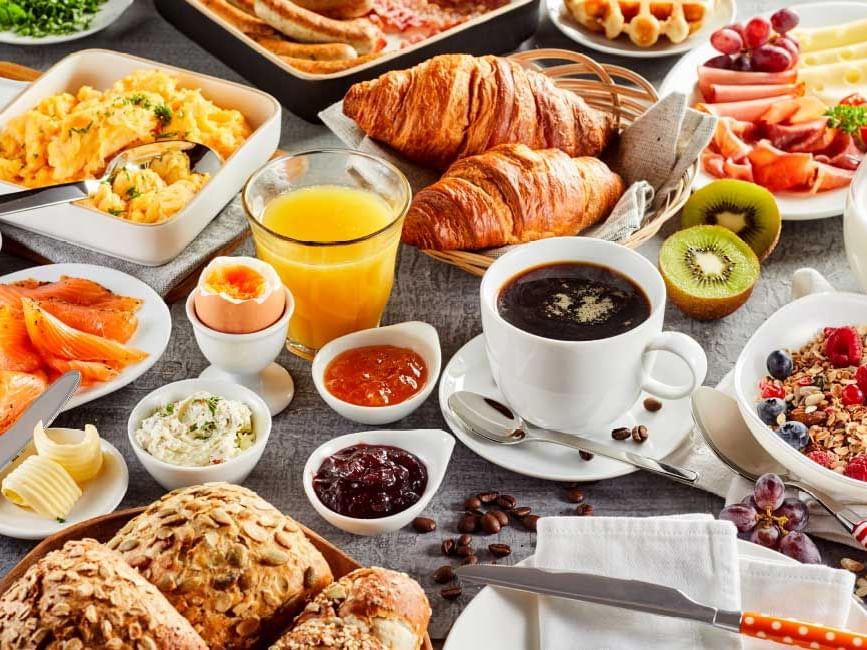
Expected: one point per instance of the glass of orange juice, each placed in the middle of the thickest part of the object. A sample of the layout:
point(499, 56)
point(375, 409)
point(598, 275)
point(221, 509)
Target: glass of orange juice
point(329, 221)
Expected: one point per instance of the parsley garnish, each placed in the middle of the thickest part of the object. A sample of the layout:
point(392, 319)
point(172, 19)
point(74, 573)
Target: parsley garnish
point(60, 520)
point(167, 410)
point(139, 99)
point(133, 193)
point(46, 17)
point(212, 402)
point(80, 130)
point(849, 119)
point(163, 113)
point(115, 212)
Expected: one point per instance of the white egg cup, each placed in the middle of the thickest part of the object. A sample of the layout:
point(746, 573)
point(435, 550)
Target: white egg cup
point(248, 359)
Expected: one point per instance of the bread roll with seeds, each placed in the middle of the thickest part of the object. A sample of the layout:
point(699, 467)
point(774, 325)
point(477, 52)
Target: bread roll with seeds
point(332, 633)
point(230, 562)
point(388, 605)
point(86, 596)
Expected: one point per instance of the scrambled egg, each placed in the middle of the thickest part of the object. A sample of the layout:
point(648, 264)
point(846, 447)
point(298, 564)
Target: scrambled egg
point(72, 137)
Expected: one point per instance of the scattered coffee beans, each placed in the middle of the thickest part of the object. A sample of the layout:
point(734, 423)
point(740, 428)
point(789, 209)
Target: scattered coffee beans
point(490, 524)
point(501, 516)
point(448, 547)
point(464, 551)
point(468, 523)
point(452, 592)
point(471, 559)
point(529, 522)
point(584, 509)
point(639, 433)
point(506, 501)
point(424, 524)
point(500, 550)
point(473, 503)
point(464, 540)
point(620, 433)
point(444, 574)
point(585, 455)
point(574, 495)
point(652, 404)
point(488, 497)
point(521, 511)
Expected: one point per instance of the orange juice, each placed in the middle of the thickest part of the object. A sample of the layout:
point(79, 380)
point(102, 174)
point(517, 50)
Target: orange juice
point(340, 268)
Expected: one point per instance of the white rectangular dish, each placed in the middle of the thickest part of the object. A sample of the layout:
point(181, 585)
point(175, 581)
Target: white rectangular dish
point(147, 244)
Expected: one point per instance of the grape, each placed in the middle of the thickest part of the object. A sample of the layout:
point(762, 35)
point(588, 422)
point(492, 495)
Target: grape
point(744, 517)
point(795, 512)
point(727, 41)
point(737, 27)
point(750, 500)
point(784, 20)
point(772, 58)
point(724, 62)
point(757, 31)
point(767, 536)
point(801, 548)
point(769, 492)
point(743, 63)
point(790, 45)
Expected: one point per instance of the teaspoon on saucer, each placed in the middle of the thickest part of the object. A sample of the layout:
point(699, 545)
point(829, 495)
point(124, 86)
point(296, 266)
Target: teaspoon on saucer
point(489, 419)
point(718, 419)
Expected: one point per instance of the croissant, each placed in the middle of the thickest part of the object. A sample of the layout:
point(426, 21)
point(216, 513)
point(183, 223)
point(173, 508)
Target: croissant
point(457, 105)
point(510, 195)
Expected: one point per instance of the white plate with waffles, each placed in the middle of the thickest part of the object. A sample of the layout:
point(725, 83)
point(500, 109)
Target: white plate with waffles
point(700, 17)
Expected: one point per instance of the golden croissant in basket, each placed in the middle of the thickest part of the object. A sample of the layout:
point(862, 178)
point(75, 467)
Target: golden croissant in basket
point(644, 21)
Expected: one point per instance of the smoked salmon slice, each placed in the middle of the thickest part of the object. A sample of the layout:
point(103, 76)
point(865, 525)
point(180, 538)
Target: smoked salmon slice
point(115, 324)
point(16, 351)
point(78, 291)
point(17, 391)
point(54, 338)
point(91, 371)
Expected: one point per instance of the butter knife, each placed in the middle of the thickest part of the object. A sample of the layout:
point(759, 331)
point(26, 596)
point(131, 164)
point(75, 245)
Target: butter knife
point(45, 409)
point(659, 600)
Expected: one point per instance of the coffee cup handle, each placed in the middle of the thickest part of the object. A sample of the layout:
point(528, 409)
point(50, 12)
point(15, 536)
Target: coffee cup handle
point(687, 349)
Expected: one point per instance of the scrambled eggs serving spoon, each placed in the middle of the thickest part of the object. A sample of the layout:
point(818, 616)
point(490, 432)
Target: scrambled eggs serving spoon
point(203, 160)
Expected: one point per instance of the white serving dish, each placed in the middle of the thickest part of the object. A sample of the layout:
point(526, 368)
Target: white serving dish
point(147, 244)
point(855, 226)
point(107, 14)
point(790, 327)
point(234, 470)
point(432, 446)
point(415, 335)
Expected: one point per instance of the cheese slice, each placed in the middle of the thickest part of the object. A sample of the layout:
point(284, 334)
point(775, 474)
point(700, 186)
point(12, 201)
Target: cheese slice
point(834, 55)
point(823, 38)
point(834, 81)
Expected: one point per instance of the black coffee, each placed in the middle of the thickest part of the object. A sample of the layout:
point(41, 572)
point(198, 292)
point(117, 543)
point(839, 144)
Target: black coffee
point(573, 301)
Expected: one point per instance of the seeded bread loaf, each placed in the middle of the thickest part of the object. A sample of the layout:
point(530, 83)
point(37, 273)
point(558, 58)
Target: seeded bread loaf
point(229, 562)
point(386, 604)
point(85, 596)
point(332, 633)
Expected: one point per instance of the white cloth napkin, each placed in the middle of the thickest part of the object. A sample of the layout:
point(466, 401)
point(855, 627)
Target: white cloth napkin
point(693, 553)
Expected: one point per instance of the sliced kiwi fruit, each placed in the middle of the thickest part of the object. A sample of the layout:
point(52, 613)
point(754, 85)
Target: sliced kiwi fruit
point(748, 210)
point(708, 270)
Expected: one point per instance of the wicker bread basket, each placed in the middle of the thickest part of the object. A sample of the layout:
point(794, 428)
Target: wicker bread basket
point(611, 88)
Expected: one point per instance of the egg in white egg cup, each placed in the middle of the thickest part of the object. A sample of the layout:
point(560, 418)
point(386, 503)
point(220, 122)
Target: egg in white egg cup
point(248, 359)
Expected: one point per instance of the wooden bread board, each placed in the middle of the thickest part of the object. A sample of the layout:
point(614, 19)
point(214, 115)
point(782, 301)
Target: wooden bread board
point(103, 529)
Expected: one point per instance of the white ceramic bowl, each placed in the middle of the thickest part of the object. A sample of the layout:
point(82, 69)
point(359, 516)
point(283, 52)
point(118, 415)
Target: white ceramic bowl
point(789, 328)
point(432, 446)
point(855, 226)
point(415, 335)
point(232, 471)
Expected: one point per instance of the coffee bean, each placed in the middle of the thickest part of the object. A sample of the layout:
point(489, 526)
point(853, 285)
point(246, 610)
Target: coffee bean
point(529, 522)
point(506, 501)
point(444, 574)
point(468, 524)
point(585, 455)
point(639, 433)
point(464, 540)
point(488, 497)
point(574, 495)
point(652, 404)
point(475, 511)
point(471, 559)
point(620, 433)
point(584, 509)
point(465, 551)
point(521, 511)
point(490, 524)
point(473, 503)
point(424, 524)
point(448, 547)
point(452, 592)
point(500, 550)
point(501, 516)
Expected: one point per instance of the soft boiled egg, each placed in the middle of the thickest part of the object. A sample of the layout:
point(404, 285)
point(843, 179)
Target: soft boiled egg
point(239, 295)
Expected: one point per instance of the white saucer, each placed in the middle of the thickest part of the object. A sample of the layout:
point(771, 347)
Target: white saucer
point(622, 46)
point(274, 384)
point(101, 495)
point(668, 427)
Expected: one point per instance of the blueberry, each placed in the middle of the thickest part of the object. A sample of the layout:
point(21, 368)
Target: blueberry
point(769, 408)
point(795, 434)
point(780, 364)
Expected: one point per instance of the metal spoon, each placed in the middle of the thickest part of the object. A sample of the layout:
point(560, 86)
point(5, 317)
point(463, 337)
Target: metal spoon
point(203, 160)
point(487, 418)
point(722, 426)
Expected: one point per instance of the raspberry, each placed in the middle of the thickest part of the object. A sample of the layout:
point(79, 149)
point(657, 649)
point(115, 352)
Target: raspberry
point(861, 378)
point(770, 389)
point(843, 347)
point(820, 456)
point(857, 468)
point(852, 395)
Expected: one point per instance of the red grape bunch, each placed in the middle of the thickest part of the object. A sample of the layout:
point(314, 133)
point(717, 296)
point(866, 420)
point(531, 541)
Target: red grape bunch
point(768, 518)
point(761, 45)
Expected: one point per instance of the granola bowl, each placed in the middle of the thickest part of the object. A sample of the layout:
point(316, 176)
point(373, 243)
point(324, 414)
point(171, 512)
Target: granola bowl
point(836, 429)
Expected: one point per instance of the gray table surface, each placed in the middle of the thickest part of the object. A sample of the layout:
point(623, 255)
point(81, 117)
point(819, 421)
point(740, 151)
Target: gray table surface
point(447, 298)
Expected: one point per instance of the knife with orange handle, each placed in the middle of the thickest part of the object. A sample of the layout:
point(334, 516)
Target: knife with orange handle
point(659, 600)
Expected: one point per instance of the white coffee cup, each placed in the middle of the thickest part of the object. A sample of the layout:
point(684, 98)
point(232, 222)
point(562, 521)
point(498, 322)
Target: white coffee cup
point(577, 385)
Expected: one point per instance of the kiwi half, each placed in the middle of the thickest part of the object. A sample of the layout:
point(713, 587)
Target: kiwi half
point(708, 270)
point(748, 210)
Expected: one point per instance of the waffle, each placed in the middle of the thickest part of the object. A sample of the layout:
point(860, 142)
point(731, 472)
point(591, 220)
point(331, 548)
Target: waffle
point(644, 21)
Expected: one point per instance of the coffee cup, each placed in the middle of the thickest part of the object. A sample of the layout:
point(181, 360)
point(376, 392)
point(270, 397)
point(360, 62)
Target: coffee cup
point(575, 385)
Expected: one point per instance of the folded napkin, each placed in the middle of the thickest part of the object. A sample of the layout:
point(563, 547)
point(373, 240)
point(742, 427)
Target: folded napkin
point(653, 153)
point(693, 553)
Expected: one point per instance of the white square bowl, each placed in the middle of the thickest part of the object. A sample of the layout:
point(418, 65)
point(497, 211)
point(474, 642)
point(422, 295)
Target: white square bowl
point(147, 244)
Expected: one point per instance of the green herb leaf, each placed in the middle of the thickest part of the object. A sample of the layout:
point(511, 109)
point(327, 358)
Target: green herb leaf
point(81, 130)
point(132, 193)
point(40, 18)
point(212, 402)
point(849, 119)
point(164, 114)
